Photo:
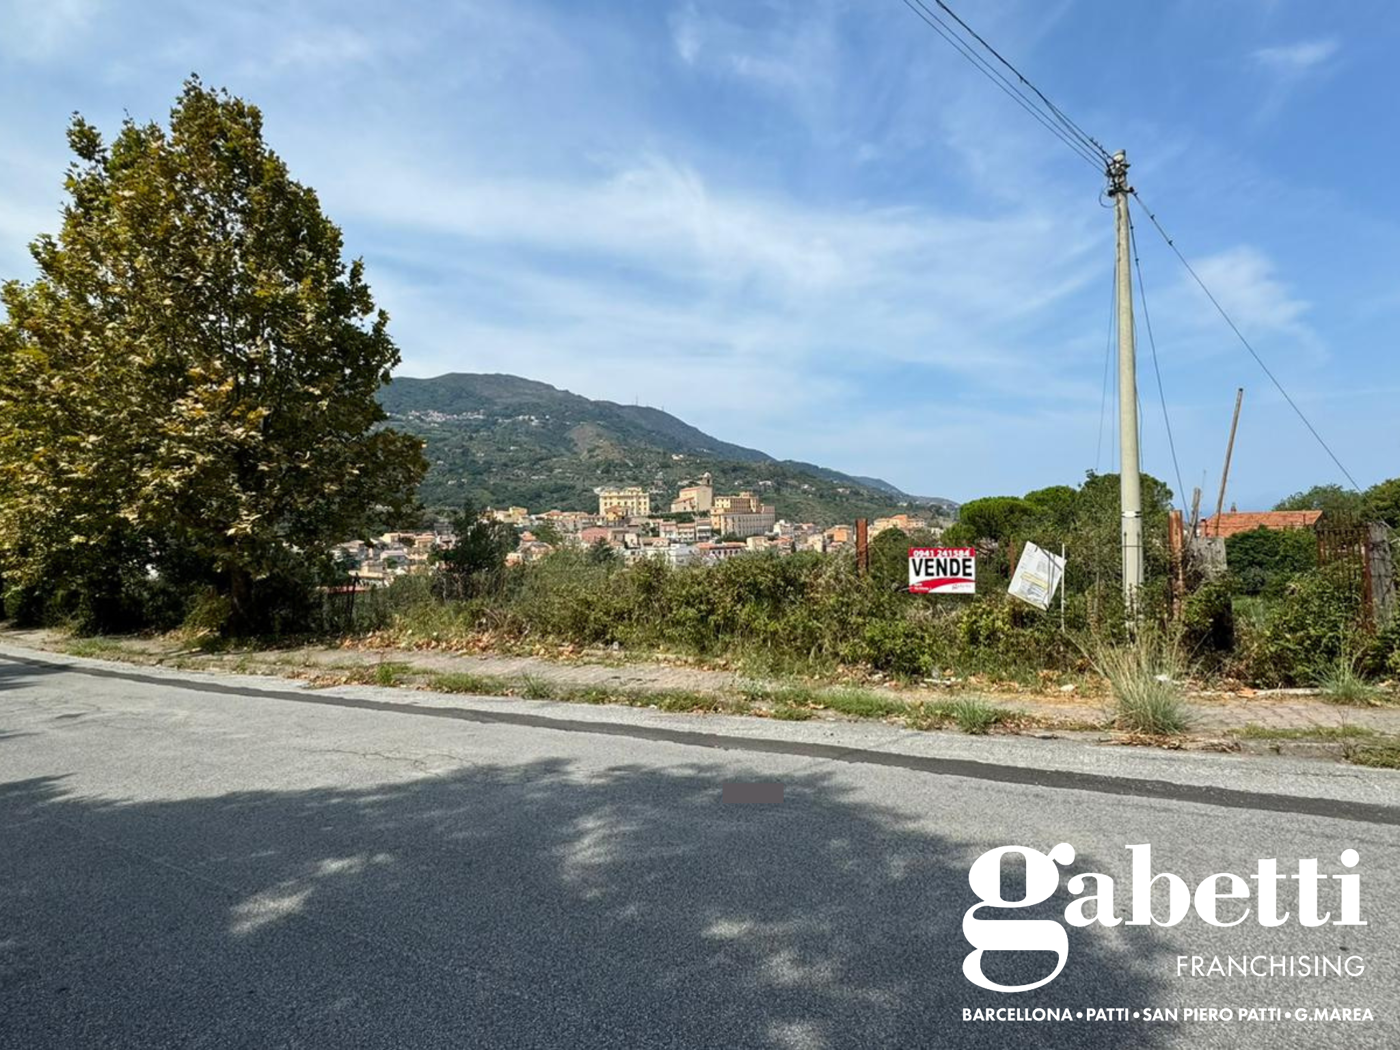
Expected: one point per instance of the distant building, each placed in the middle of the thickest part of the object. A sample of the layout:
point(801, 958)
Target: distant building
point(837, 536)
point(903, 522)
point(742, 515)
point(744, 502)
point(720, 551)
point(620, 536)
point(528, 551)
point(672, 553)
point(569, 521)
point(631, 502)
point(695, 499)
point(742, 523)
point(780, 544)
point(1233, 522)
point(511, 515)
point(686, 531)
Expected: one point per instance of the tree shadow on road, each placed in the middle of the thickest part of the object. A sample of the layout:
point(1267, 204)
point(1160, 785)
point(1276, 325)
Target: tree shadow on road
point(15, 674)
point(532, 905)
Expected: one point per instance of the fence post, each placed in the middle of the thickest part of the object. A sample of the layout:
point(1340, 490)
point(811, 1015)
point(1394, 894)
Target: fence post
point(1176, 533)
point(1380, 573)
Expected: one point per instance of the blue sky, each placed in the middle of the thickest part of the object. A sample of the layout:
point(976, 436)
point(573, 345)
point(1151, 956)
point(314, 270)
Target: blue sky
point(811, 227)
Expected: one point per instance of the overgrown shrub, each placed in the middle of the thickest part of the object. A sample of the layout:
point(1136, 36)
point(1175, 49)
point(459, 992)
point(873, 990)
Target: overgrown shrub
point(788, 613)
point(1208, 619)
point(1307, 632)
point(1264, 560)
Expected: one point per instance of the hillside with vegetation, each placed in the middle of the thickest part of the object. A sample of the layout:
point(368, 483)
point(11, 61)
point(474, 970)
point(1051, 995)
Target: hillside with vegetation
point(503, 440)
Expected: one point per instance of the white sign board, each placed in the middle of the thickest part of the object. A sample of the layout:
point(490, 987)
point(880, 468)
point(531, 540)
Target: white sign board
point(942, 570)
point(1037, 575)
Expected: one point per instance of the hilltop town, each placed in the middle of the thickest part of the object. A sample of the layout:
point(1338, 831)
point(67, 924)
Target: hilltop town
point(698, 526)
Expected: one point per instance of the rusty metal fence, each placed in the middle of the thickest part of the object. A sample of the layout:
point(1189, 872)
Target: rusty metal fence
point(1361, 552)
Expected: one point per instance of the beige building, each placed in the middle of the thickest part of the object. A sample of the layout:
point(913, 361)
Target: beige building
point(903, 522)
point(631, 502)
point(743, 503)
point(837, 536)
point(686, 531)
point(695, 499)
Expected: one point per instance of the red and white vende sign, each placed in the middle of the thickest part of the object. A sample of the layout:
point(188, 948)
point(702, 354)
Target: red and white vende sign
point(942, 570)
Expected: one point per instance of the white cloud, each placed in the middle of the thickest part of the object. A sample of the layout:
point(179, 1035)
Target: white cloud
point(751, 316)
point(1267, 310)
point(918, 284)
point(321, 46)
point(1293, 59)
point(795, 56)
point(1244, 280)
point(794, 225)
point(1285, 68)
point(41, 29)
point(687, 34)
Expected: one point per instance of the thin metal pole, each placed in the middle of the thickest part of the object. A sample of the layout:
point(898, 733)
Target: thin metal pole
point(1063, 581)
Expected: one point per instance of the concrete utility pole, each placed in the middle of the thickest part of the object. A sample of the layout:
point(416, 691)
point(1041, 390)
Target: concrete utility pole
point(1129, 477)
point(1229, 451)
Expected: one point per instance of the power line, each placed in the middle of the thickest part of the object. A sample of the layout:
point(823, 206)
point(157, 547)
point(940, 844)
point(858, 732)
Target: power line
point(1245, 342)
point(929, 17)
point(1049, 122)
point(1079, 133)
point(1088, 148)
point(1157, 368)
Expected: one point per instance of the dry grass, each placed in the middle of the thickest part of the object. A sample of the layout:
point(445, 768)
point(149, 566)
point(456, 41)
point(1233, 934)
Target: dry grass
point(1341, 684)
point(1145, 678)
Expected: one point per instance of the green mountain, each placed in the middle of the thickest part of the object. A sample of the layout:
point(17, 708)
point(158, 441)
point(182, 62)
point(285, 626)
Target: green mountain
point(502, 440)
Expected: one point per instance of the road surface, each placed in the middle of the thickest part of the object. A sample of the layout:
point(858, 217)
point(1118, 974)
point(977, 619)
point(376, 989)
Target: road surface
point(217, 862)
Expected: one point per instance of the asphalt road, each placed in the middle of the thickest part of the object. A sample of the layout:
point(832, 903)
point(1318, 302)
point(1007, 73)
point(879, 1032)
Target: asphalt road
point(225, 863)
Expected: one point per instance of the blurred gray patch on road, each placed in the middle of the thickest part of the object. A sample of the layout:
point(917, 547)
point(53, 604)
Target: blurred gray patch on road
point(762, 792)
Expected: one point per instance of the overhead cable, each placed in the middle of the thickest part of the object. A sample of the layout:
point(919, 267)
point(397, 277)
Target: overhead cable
point(1246, 343)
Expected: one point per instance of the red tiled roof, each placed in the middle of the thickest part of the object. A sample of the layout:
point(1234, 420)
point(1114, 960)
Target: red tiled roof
point(1247, 521)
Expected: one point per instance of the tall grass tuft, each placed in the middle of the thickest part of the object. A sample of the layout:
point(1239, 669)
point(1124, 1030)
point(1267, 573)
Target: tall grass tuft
point(974, 716)
point(1341, 684)
point(1145, 677)
point(533, 687)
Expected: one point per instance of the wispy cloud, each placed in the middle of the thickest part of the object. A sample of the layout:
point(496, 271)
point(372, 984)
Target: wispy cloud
point(1246, 282)
point(1295, 59)
point(1287, 67)
point(38, 31)
point(671, 261)
point(804, 225)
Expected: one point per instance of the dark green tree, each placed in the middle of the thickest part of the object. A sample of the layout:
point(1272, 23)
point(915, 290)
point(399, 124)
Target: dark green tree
point(1331, 499)
point(475, 561)
point(1383, 502)
point(993, 517)
point(193, 374)
point(601, 552)
point(1264, 560)
point(547, 532)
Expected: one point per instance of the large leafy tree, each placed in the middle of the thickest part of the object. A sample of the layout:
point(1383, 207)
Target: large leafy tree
point(1383, 502)
point(1334, 499)
point(193, 373)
